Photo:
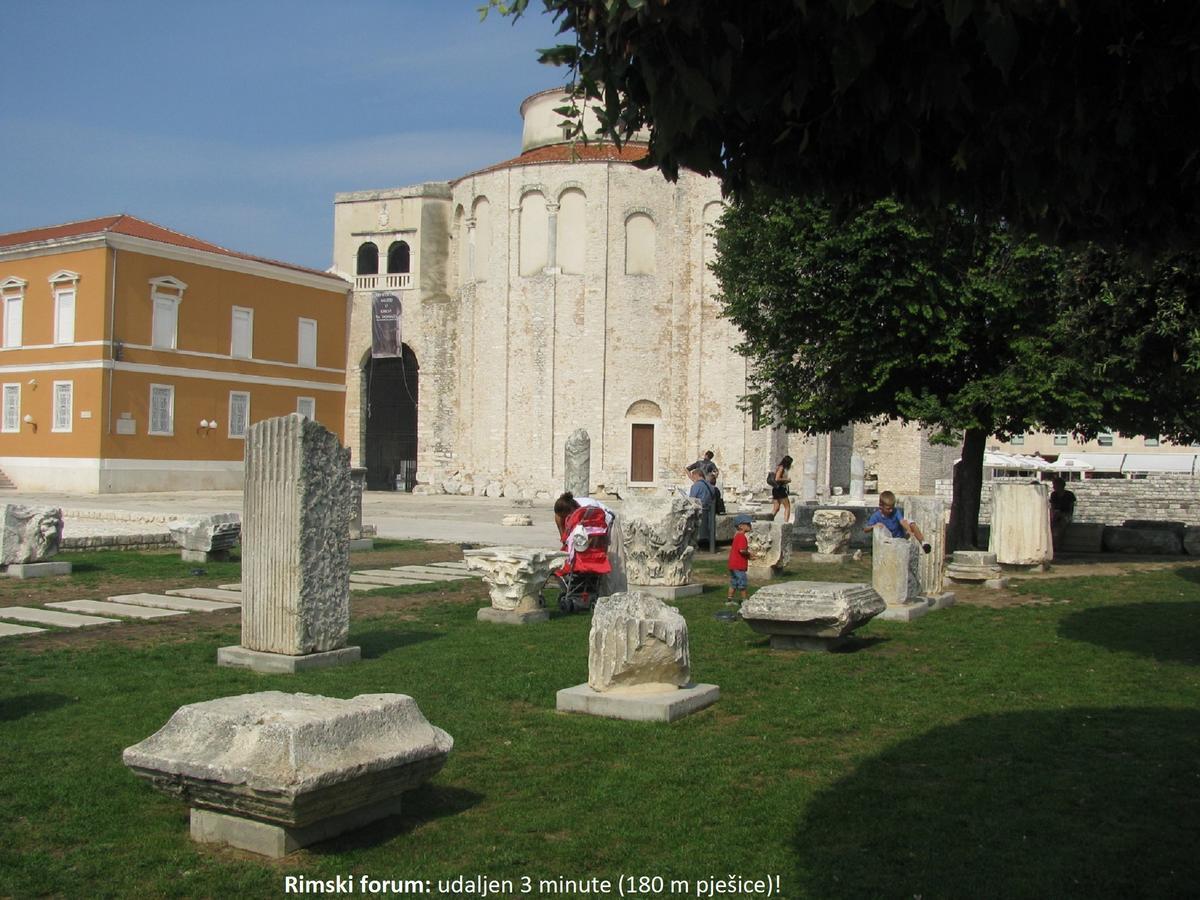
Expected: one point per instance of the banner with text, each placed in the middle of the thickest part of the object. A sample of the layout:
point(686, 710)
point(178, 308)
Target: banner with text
point(385, 325)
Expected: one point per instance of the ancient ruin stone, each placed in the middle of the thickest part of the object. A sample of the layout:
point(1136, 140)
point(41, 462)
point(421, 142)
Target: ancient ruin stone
point(514, 576)
point(358, 483)
point(929, 514)
point(858, 471)
point(637, 642)
point(1020, 534)
point(577, 468)
point(770, 548)
point(29, 534)
point(658, 534)
point(974, 567)
point(517, 519)
point(894, 563)
point(833, 530)
point(218, 533)
point(810, 615)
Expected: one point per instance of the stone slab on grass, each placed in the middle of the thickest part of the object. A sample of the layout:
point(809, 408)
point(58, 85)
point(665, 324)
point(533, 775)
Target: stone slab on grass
point(124, 610)
point(657, 706)
point(442, 573)
point(38, 569)
point(207, 593)
point(162, 601)
point(456, 566)
point(369, 586)
point(905, 612)
point(7, 630)
point(238, 657)
point(386, 576)
point(231, 587)
point(668, 591)
point(511, 616)
point(275, 841)
point(52, 617)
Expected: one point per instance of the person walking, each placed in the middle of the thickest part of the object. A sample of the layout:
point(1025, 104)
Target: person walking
point(779, 481)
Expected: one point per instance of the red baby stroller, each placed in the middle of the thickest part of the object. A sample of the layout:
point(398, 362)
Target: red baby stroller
point(585, 538)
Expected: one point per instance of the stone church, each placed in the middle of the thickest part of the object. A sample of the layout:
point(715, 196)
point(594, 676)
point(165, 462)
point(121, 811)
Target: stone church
point(564, 288)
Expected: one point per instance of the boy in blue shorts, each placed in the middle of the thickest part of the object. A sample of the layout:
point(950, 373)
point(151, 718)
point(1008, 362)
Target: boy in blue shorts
point(739, 556)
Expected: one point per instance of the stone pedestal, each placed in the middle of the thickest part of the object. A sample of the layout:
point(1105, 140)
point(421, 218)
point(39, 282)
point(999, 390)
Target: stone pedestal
point(975, 567)
point(29, 534)
point(770, 548)
point(1020, 533)
point(638, 663)
point(577, 463)
point(657, 536)
point(273, 772)
point(514, 577)
point(295, 547)
point(832, 527)
point(894, 563)
point(38, 569)
point(811, 615)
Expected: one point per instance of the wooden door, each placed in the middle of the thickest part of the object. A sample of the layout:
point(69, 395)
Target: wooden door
point(641, 453)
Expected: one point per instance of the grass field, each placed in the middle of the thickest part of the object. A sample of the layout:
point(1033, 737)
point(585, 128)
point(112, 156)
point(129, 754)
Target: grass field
point(1041, 742)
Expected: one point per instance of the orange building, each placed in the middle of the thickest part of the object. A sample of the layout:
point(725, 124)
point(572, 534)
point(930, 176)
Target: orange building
point(134, 358)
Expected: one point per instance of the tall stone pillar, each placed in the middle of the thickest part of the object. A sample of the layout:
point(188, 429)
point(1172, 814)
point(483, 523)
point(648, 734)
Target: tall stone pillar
point(295, 549)
point(577, 463)
point(894, 576)
point(929, 513)
point(858, 470)
point(808, 482)
point(1020, 535)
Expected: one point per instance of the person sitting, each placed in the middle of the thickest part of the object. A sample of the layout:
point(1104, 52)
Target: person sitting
point(1062, 510)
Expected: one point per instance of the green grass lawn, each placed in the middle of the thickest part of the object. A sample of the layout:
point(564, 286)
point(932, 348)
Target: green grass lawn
point(1038, 750)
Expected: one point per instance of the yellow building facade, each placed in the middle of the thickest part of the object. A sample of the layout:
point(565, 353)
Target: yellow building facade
point(135, 358)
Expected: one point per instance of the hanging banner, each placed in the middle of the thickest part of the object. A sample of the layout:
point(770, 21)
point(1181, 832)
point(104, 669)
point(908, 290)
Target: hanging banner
point(385, 325)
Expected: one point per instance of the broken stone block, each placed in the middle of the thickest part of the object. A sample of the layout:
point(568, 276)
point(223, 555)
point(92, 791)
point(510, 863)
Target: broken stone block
point(832, 528)
point(811, 615)
point(208, 537)
point(29, 534)
point(895, 575)
point(770, 548)
point(515, 577)
point(577, 463)
point(272, 772)
point(658, 535)
point(516, 519)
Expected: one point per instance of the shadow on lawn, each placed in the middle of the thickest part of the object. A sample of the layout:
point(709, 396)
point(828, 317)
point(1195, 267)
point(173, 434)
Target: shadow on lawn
point(1079, 802)
point(419, 806)
point(13, 708)
point(1169, 632)
point(381, 641)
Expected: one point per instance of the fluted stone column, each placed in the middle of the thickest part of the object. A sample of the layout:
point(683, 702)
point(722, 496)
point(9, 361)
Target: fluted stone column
point(295, 549)
point(1020, 535)
point(929, 513)
point(577, 463)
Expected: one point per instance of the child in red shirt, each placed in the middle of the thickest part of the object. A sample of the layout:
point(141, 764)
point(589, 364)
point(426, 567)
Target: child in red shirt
point(739, 556)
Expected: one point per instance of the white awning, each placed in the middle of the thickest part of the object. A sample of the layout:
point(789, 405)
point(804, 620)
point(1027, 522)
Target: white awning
point(1014, 462)
point(1098, 462)
point(1159, 462)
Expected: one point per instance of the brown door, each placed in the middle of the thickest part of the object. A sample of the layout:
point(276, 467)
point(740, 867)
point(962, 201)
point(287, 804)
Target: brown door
point(641, 453)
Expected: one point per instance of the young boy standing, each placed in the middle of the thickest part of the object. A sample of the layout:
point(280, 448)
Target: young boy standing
point(739, 555)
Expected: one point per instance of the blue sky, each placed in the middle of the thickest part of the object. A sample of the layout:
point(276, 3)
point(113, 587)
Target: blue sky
point(238, 120)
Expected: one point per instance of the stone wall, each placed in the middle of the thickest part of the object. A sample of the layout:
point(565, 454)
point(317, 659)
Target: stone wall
point(1110, 501)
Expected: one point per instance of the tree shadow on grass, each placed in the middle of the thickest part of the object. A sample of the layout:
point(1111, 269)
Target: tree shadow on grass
point(13, 708)
point(1191, 573)
point(1079, 802)
point(381, 641)
point(426, 803)
point(1169, 632)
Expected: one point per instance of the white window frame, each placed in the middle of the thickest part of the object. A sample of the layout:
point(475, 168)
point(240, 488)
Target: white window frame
point(11, 425)
point(312, 405)
point(64, 325)
point(12, 292)
point(150, 429)
point(165, 292)
point(245, 418)
point(64, 424)
point(1017, 440)
point(233, 348)
point(309, 358)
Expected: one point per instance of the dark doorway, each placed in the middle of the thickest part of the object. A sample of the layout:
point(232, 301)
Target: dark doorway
point(390, 412)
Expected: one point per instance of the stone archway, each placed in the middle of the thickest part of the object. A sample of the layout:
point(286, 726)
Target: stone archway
point(389, 413)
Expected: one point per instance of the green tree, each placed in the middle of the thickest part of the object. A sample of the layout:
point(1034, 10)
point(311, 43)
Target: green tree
point(884, 312)
point(1073, 117)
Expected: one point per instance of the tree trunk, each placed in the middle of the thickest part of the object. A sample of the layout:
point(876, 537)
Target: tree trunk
point(963, 531)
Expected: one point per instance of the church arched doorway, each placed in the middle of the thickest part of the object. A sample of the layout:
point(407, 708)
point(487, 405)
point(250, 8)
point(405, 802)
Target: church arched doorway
point(390, 416)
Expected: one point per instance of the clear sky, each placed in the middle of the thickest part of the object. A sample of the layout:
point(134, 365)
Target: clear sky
point(238, 120)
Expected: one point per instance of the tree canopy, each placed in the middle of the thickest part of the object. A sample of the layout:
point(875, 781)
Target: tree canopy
point(1076, 118)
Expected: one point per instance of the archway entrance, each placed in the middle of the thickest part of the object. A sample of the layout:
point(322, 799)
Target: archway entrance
point(390, 413)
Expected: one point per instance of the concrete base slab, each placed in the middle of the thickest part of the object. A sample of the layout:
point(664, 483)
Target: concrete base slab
point(6, 629)
point(1013, 569)
point(360, 544)
point(394, 578)
point(664, 706)
point(806, 643)
point(511, 616)
point(452, 566)
point(267, 839)
point(124, 610)
point(162, 601)
point(37, 570)
point(940, 601)
point(830, 557)
point(904, 612)
point(368, 586)
point(669, 591)
point(52, 617)
point(204, 556)
point(207, 593)
point(231, 587)
point(237, 657)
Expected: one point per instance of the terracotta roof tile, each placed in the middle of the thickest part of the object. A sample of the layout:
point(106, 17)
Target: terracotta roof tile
point(132, 226)
point(569, 153)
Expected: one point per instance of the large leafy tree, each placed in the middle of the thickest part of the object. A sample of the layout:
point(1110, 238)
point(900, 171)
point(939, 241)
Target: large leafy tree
point(883, 312)
point(1073, 117)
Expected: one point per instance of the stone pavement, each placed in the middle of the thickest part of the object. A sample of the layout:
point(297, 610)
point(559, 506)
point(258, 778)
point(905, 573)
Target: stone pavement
point(184, 601)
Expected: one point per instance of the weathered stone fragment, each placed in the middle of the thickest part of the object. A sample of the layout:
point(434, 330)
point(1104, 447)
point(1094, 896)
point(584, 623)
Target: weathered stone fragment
point(894, 568)
point(282, 764)
point(975, 567)
point(832, 528)
point(808, 481)
point(637, 642)
point(516, 519)
point(577, 468)
point(212, 535)
point(770, 548)
point(514, 577)
point(29, 534)
point(810, 615)
point(658, 534)
point(929, 514)
point(358, 483)
point(857, 478)
point(1020, 534)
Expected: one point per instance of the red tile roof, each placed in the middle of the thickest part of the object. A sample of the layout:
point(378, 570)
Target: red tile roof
point(569, 153)
point(132, 226)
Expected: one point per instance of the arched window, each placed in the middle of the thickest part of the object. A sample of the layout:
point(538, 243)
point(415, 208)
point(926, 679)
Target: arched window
point(398, 258)
point(571, 241)
point(534, 234)
point(639, 245)
point(368, 260)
